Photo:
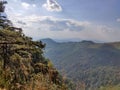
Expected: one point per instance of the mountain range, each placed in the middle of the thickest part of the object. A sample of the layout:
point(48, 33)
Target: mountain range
point(93, 65)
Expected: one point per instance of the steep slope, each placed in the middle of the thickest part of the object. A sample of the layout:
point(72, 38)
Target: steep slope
point(22, 65)
point(92, 64)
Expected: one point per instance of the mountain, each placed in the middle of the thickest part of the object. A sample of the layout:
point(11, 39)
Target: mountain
point(23, 66)
point(92, 65)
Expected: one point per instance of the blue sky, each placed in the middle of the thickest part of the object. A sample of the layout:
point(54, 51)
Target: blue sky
point(97, 20)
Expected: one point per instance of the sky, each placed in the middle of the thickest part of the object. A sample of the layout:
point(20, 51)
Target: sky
point(73, 20)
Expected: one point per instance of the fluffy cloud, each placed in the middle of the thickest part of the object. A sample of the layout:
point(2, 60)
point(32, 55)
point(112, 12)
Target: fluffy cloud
point(33, 5)
point(54, 24)
point(58, 28)
point(52, 5)
point(25, 5)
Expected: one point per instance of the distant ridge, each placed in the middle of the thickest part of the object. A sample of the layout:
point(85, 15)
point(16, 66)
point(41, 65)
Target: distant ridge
point(94, 64)
point(48, 40)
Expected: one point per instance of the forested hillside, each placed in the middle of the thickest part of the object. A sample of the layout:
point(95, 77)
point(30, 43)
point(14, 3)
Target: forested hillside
point(22, 65)
point(92, 65)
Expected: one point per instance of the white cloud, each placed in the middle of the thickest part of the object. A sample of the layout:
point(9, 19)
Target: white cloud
point(55, 24)
point(33, 5)
point(52, 5)
point(118, 20)
point(25, 5)
point(58, 28)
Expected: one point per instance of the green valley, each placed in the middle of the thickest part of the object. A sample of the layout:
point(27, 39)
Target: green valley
point(92, 65)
